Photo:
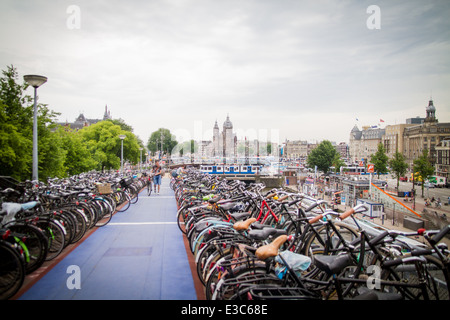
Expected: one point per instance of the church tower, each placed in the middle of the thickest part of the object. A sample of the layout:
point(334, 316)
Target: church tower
point(228, 138)
point(216, 140)
point(107, 114)
point(431, 113)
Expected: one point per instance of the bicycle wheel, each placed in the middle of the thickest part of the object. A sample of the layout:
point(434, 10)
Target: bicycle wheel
point(134, 194)
point(35, 243)
point(426, 281)
point(80, 223)
point(125, 201)
point(242, 278)
point(149, 188)
point(55, 233)
point(105, 213)
point(12, 270)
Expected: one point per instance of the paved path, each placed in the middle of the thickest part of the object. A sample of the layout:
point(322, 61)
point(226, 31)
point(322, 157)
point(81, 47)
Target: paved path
point(139, 255)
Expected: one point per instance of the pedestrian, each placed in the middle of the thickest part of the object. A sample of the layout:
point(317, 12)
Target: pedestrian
point(157, 176)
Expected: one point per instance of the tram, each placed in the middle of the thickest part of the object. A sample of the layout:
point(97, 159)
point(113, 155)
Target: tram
point(231, 169)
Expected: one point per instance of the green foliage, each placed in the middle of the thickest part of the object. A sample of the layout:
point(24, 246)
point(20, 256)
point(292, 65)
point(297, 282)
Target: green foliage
point(16, 127)
point(338, 162)
point(322, 156)
point(77, 157)
point(168, 141)
point(103, 143)
point(423, 167)
point(398, 166)
point(380, 160)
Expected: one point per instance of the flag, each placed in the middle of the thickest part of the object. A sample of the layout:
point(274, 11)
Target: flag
point(357, 119)
point(381, 120)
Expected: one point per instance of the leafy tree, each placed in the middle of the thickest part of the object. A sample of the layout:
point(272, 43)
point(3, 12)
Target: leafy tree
point(103, 142)
point(398, 166)
point(168, 141)
point(269, 148)
point(78, 159)
point(122, 124)
point(380, 160)
point(423, 167)
point(338, 162)
point(15, 127)
point(17, 107)
point(15, 155)
point(322, 156)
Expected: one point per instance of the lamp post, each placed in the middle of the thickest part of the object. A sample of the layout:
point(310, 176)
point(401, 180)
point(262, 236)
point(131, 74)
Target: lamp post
point(140, 158)
point(122, 136)
point(35, 81)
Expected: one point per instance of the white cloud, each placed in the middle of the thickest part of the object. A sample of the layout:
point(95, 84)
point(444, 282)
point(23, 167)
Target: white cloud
point(288, 65)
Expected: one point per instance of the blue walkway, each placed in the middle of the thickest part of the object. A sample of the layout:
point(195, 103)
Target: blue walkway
point(139, 255)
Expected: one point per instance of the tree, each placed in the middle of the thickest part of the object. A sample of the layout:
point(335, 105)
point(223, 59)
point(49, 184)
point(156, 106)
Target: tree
point(78, 159)
point(16, 125)
point(269, 148)
point(423, 167)
point(380, 160)
point(338, 163)
point(398, 166)
point(322, 156)
point(164, 136)
point(103, 142)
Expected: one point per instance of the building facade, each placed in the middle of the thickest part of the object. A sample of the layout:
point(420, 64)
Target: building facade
point(393, 138)
point(443, 158)
point(81, 121)
point(410, 139)
point(427, 135)
point(364, 143)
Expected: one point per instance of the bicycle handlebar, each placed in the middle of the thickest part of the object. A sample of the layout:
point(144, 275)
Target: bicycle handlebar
point(357, 209)
point(437, 237)
point(347, 214)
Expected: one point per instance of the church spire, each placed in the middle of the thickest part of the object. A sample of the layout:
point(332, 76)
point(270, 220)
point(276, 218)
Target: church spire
point(107, 114)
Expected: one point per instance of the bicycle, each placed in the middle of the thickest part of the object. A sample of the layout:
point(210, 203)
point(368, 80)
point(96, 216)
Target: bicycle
point(149, 185)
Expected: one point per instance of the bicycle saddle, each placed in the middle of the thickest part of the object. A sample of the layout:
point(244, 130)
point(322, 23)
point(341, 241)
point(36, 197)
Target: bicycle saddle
point(271, 249)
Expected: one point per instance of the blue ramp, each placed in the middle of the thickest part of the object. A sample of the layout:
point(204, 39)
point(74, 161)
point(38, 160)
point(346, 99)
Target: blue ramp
point(139, 255)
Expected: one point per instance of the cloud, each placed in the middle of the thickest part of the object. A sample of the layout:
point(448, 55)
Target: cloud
point(306, 68)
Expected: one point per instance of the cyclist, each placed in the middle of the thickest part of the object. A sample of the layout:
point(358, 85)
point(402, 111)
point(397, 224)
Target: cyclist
point(157, 175)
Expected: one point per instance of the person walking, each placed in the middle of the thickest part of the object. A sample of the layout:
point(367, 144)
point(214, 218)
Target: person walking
point(157, 176)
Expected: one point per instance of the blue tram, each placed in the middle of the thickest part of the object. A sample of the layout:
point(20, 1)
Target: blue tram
point(231, 169)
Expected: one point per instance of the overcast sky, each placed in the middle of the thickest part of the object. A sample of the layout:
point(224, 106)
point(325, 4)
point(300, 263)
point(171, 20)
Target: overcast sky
point(304, 70)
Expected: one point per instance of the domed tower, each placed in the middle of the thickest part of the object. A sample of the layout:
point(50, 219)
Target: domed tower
point(431, 112)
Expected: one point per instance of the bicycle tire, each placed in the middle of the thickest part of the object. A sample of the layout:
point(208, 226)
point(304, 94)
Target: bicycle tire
point(105, 215)
point(436, 285)
point(125, 202)
point(12, 270)
point(55, 235)
point(149, 188)
point(36, 244)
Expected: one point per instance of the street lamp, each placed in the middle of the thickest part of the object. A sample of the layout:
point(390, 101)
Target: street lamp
point(122, 136)
point(140, 160)
point(35, 81)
